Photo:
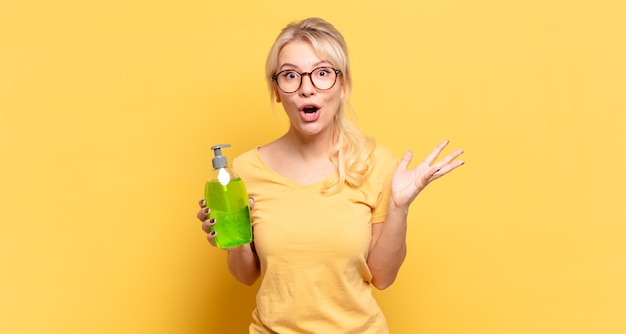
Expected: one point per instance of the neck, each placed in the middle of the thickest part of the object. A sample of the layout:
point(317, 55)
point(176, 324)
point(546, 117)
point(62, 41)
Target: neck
point(309, 147)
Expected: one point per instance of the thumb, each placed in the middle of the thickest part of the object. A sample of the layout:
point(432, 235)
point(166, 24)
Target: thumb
point(406, 160)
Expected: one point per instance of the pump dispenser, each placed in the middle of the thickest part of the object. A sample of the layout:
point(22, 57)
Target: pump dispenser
point(226, 196)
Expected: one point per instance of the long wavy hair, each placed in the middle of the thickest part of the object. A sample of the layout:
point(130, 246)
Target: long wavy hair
point(352, 150)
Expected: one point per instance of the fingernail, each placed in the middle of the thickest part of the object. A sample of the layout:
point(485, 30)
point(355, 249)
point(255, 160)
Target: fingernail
point(212, 233)
point(207, 210)
point(212, 221)
point(201, 202)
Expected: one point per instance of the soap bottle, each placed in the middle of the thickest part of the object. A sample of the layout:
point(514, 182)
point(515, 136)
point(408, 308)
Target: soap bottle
point(226, 196)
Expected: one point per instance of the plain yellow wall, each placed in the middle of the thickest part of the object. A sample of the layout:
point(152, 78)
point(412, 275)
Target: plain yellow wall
point(108, 110)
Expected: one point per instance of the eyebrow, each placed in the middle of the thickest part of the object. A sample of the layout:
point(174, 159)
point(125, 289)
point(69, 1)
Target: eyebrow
point(294, 66)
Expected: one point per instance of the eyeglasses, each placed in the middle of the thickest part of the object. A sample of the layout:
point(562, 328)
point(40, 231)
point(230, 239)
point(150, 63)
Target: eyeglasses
point(322, 78)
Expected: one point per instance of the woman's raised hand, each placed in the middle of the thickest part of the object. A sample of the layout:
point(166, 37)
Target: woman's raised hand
point(406, 184)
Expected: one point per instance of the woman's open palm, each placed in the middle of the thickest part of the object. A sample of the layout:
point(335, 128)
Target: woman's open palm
point(406, 184)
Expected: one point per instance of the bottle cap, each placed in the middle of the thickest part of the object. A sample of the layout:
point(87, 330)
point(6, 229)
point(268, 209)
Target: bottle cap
point(219, 161)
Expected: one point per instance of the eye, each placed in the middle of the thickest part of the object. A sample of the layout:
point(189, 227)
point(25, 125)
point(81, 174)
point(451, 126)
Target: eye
point(290, 75)
point(323, 72)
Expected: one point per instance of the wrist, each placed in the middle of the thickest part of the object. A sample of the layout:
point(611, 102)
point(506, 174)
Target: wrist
point(240, 250)
point(398, 209)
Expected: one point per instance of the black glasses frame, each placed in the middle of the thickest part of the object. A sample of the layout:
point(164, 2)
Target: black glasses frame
point(275, 78)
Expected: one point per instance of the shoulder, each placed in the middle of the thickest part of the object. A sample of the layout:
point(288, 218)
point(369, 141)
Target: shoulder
point(383, 158)
point(247, 162)
point(382, 152)
point(246, 156)
point(383, 165)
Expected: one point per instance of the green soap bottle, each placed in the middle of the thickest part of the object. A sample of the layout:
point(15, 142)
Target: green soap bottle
point(226, 196)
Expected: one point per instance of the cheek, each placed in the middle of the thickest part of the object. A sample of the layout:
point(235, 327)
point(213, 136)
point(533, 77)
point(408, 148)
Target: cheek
point(288, 106)
point(336, 98)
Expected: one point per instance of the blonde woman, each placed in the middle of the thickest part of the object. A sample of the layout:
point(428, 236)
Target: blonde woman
point(330, 205)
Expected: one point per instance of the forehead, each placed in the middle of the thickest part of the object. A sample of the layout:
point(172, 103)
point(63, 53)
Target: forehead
point(300, 54)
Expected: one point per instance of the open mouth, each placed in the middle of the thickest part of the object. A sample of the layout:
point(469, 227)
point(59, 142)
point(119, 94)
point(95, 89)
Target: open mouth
point(310, 109)
point(310, 112)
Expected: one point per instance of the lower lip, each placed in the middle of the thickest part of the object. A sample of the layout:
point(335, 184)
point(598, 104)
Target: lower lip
point(310, 117)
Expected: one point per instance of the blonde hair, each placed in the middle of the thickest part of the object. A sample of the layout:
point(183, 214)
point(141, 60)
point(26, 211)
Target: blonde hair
point(352, 150)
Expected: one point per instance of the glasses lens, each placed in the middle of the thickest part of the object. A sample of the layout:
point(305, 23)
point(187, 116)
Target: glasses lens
point(288, 81)
point(323, 78)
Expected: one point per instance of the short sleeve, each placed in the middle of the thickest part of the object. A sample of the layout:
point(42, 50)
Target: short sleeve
point(385, 165)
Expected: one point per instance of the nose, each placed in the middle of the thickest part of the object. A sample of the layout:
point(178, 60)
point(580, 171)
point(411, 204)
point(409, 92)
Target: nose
point(306, 87)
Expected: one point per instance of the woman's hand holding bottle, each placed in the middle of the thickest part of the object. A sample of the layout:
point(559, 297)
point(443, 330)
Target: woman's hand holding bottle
point(209, 223)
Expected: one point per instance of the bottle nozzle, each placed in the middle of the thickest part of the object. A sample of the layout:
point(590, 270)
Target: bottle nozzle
point(219, 161)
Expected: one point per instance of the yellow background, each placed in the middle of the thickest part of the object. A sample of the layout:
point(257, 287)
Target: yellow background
point(108, 110)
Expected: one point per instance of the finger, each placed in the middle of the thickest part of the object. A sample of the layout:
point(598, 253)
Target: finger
point(207, 225)
point(449, 158)
point(211, 238)
point(251, 201)
point(446, 169)
point(202, 203)
point(406, 160)
point(202, 214)
point(430, 175)
point(430, 158)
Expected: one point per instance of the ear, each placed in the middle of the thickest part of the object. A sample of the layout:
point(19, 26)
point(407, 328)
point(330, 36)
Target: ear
point(343, 91)
point(277, 95)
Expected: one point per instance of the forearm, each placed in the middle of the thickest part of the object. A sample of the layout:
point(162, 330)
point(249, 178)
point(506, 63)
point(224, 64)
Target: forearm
point(243, 264)
point(388, 252)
